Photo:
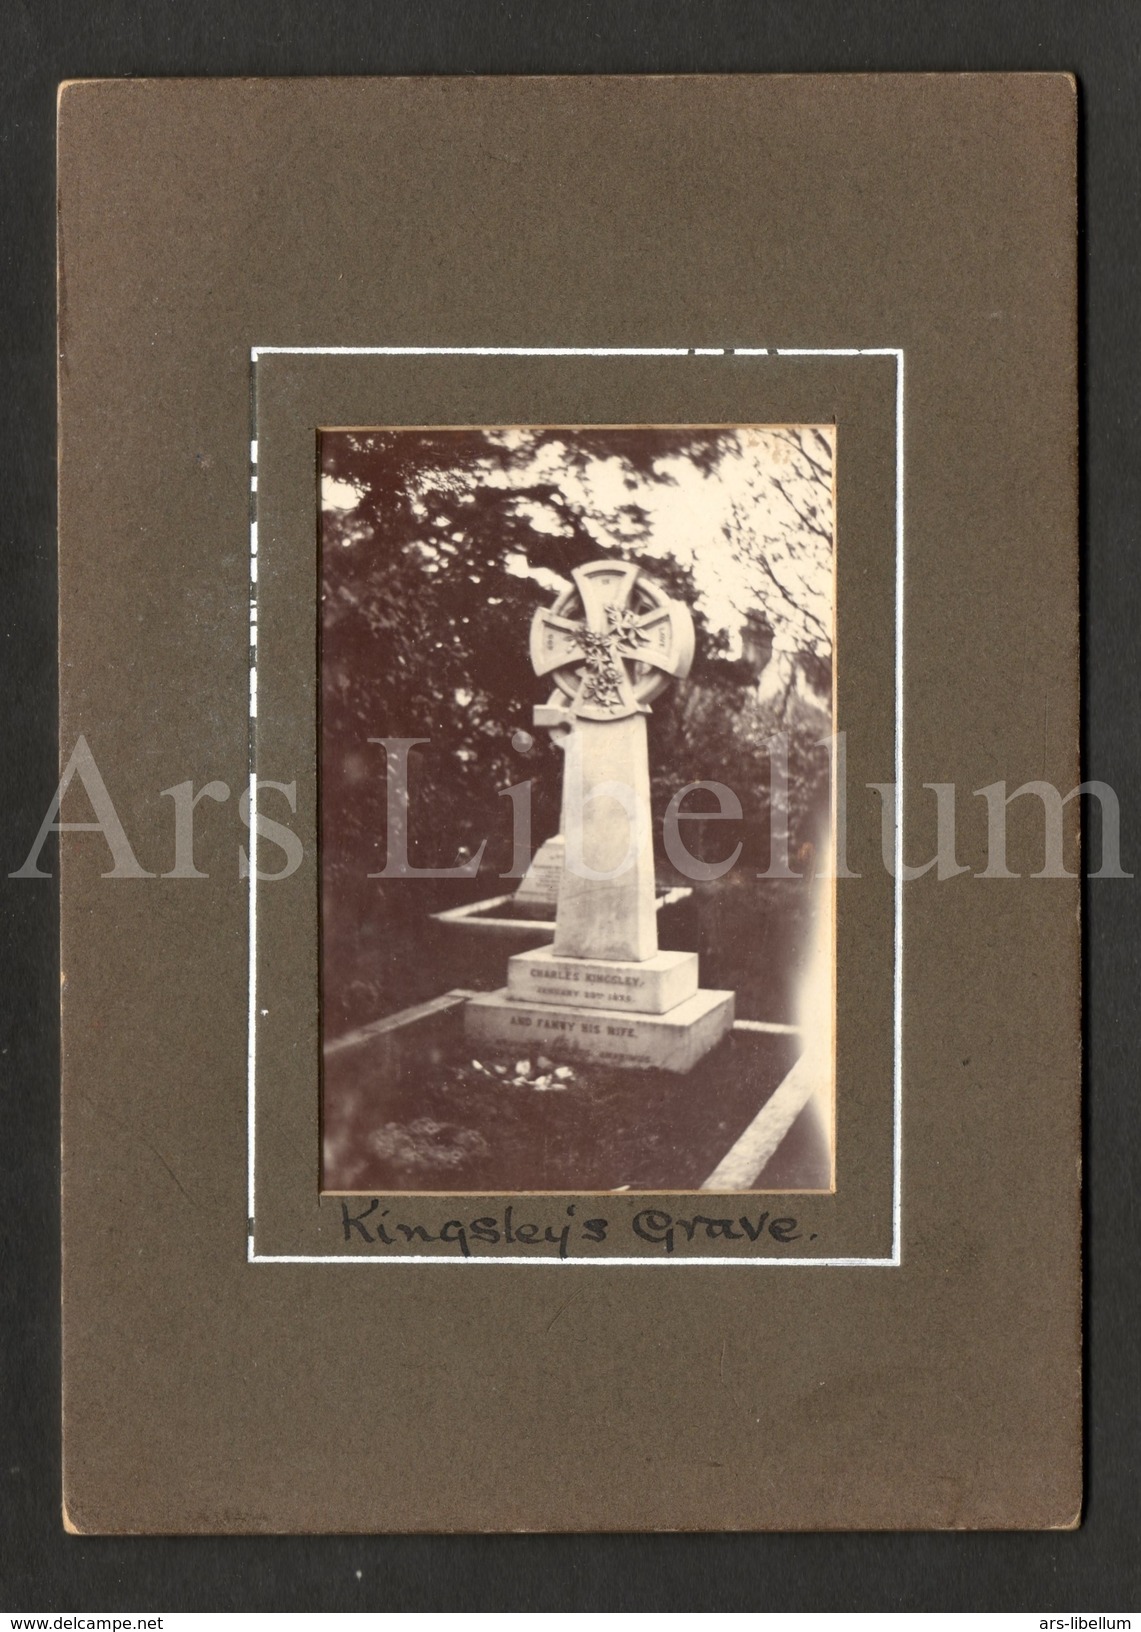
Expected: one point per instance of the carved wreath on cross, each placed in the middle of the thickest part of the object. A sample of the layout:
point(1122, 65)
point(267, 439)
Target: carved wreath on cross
point(613, 641)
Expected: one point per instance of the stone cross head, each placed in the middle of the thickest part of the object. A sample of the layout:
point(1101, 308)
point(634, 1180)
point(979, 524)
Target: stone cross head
point(612, 642)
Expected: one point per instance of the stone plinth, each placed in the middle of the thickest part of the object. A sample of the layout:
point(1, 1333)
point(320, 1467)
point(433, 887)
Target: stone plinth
point(654, 986)
point(665, 1042)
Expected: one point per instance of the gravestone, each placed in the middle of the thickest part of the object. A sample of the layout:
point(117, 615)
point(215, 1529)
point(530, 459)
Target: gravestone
point(604, 991)
point(538, 893)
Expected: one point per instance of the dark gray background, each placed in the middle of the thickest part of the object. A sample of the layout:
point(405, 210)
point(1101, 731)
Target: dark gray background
point(47, 1570)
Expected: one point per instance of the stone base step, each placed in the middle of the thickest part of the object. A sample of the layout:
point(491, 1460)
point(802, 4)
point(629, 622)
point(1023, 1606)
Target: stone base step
point(654, 986)
point(665, 1042)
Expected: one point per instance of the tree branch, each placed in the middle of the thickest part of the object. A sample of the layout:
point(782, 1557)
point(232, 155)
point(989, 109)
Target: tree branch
point(805, 521)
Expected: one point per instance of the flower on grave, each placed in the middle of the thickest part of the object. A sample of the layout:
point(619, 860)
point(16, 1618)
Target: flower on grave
point(625, 627)
point(603, 683)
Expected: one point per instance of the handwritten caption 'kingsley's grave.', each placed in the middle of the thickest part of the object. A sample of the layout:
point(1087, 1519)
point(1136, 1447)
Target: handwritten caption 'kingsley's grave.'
point(370, 1223)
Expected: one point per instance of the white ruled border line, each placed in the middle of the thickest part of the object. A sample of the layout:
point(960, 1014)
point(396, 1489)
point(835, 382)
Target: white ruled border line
point(896, 352)
point(251, 1000)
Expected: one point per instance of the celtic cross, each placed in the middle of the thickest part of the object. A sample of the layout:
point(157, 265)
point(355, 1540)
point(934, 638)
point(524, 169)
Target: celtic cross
point(611, 643)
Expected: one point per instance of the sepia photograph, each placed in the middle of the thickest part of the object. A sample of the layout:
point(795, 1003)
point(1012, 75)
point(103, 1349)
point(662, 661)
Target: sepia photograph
point(570, 817)
point(575, 744)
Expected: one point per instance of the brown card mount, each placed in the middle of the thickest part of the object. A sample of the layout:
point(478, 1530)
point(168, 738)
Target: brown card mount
point(465, 427)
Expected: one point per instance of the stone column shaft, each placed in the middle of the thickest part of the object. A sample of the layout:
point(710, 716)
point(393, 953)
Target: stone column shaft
point(608, 830)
